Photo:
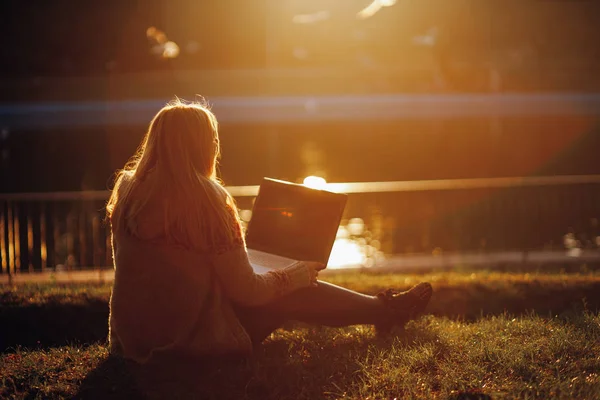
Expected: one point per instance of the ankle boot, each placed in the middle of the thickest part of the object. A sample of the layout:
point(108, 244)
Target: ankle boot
point(403, 306)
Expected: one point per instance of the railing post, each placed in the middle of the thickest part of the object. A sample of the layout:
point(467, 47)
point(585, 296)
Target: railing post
point(108, 254)
point(97, 251)
point(82, 238)
point(29, 221)
point(3, 252)
point(43, 238)
point(11, 249)
point(70, 239)
point(17, 238)
point(55, 236)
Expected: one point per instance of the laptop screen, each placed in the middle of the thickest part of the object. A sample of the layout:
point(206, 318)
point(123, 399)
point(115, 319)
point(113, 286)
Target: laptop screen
point(295, 221)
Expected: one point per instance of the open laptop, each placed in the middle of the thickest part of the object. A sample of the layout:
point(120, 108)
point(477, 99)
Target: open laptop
point(292, 222)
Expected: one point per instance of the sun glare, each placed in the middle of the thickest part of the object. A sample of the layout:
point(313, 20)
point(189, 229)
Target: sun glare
point(315, 182)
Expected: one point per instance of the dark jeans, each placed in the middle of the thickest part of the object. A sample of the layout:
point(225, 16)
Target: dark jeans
point(325, 304)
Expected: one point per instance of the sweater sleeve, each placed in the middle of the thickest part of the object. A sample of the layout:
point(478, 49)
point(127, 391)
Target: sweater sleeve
point(243, 285)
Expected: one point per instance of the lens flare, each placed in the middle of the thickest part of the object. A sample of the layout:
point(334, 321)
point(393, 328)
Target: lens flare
point(160, 45)
point(311, 18)
point(170, 50)
point(373, 8)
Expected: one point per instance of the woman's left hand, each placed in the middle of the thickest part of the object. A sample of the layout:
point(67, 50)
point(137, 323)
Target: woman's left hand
point(313, 271)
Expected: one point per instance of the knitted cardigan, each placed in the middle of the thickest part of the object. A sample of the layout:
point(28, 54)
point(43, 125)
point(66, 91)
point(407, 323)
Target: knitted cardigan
point(170, 299)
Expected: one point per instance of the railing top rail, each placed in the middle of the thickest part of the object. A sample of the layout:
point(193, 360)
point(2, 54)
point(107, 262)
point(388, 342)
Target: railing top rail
point(349, 187)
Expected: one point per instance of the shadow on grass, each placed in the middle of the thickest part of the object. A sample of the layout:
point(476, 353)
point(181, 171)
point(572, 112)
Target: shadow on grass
point(288, 367)
point(268, 375)
point(470, 396)
point(291, 365)
point(50, 325)
point(111, 379)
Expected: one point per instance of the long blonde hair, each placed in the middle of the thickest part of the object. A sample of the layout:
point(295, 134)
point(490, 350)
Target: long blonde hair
point(177, 160)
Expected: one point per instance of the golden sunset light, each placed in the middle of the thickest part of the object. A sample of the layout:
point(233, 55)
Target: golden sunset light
point(300, 199)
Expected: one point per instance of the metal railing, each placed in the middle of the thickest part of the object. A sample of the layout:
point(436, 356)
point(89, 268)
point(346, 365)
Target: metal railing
point(67, 230)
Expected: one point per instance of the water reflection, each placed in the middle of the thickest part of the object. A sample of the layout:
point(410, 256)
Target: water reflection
point(346, 253)
point(353, 247)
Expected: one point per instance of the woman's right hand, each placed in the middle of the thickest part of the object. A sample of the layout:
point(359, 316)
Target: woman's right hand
point(313, 268)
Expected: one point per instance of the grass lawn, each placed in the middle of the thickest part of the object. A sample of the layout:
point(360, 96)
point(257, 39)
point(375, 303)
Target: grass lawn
point(495, 334)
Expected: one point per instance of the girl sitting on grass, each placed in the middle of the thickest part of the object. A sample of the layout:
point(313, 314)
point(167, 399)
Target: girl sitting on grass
point(183, 284)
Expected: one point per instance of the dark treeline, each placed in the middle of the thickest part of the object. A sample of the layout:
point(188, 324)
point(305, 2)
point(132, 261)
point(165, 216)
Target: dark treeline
point(522, 39)
point(536, 46)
